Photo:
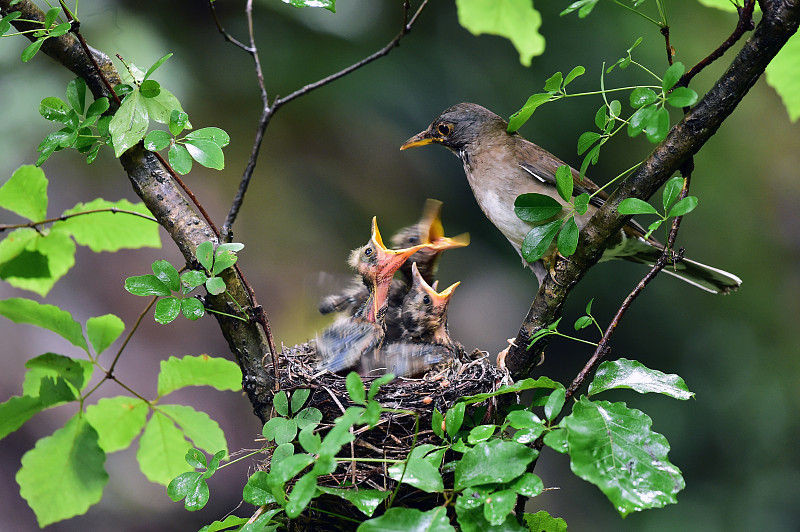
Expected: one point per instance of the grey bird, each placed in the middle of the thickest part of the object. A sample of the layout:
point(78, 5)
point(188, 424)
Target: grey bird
point(500, 166)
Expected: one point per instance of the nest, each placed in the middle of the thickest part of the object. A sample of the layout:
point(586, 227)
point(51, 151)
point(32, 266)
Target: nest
point(396, 433)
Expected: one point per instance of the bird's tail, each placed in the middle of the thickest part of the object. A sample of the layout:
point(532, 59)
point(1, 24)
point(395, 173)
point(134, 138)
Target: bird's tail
point(697, 274)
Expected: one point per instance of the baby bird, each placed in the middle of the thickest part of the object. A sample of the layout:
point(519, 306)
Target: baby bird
point(341, 345)
point(428, 230)
point(425, 340)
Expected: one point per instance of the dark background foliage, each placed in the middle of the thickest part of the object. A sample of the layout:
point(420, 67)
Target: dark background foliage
point(330, 162)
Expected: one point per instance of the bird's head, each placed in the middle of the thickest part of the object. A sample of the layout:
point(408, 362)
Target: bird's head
point(458, 128)
point(425, 309)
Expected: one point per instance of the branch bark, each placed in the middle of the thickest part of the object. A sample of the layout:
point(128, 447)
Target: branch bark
point(779, 22)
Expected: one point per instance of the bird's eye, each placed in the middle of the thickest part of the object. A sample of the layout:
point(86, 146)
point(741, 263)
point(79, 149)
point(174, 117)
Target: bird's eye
point(444, 129)
point(426, 299)
point(368, 252)
point(413, 239)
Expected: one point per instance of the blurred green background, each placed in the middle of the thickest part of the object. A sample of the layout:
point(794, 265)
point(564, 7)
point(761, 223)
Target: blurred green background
point(330, 161)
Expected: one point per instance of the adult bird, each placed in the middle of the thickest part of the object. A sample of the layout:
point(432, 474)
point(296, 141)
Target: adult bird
point(425, 341)
point(500, 166)
point(428, 230)
point(341, 346)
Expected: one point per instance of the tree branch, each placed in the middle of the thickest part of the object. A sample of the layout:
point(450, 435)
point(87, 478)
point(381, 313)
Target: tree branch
point(151, 182)
point(779, 22)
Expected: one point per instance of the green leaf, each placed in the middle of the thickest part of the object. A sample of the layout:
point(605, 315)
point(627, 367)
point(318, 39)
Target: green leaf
point(574, 73)
point(498, 506)
point(586, 140)
point(299, 398)
point(302, 493)
point(309, 440)
point(583, 322)
point(330, 5)
point(523, 419)
point(213, 134)
point(150, 88)
point(177, 121)
point(146, 285)
point(77, 372)
point(204, 432)
point(155, 66)
point(97, 108)
point(554, 403)
point(539, 239)
point(682, 97)
point(103, 330)
point(568, 237)
point(684, 206)
point(129, 123)
point(657, 126)
point(284, 470)
point(672, 75)
point(437, 423)
point(25, 193)
point(355, 388)
point(257, 491)
point(281, 403)
point(193, 487)
point(224, 258)
point(377, 383)
point(367, 501)
point(117, 420)
point(480, 433)
point(64, 474)
point(409, 520)
point(612, 446)
point(557, 440)
point(167, 309)
point(157, 140)
point(162, 448)
point(454, 418)
point(584, 7)
point(192, 308)
point(50, 17)
point(54, 109)
point(528, 485)
point(634, 375)
point(641, 96)
point(179, 159)
point(215, 285)
point(206, 153)
point(783, 76)
point(635, 206)
point(517, 20)
point(167, 274)
point(671, 191)
point(20, 310)
point(581, 203)
point(205, 255)
point(308, 417)
point(534, 207)
point(17, 410)
point(564, 182)
point(31, 49)
point(76, 94)
point(159, 108)
point(110, 231)
point(191, 279)
point(202, 370)
point(615, 108)
point(5, 22)
point(519, 386)
point(470, 511)
point(280, 429)
point(493, 461)
point(542, 521)
point(520, 117)
point(553, 83)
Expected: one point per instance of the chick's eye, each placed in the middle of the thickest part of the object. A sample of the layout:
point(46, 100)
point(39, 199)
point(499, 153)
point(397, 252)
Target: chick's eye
point(444, 129)
point(368, 252)
point(413, 239)
point(426, 299)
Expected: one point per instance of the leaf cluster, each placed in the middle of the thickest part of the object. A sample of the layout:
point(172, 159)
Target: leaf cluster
point(166, 279)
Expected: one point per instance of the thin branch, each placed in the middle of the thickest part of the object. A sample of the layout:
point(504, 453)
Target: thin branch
point(63, 217)
point(268, 110)
point(227, 36)
point(745, 24)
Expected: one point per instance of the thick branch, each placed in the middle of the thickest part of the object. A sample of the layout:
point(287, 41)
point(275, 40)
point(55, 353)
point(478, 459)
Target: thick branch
point(779, 22)
point(152, 183)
